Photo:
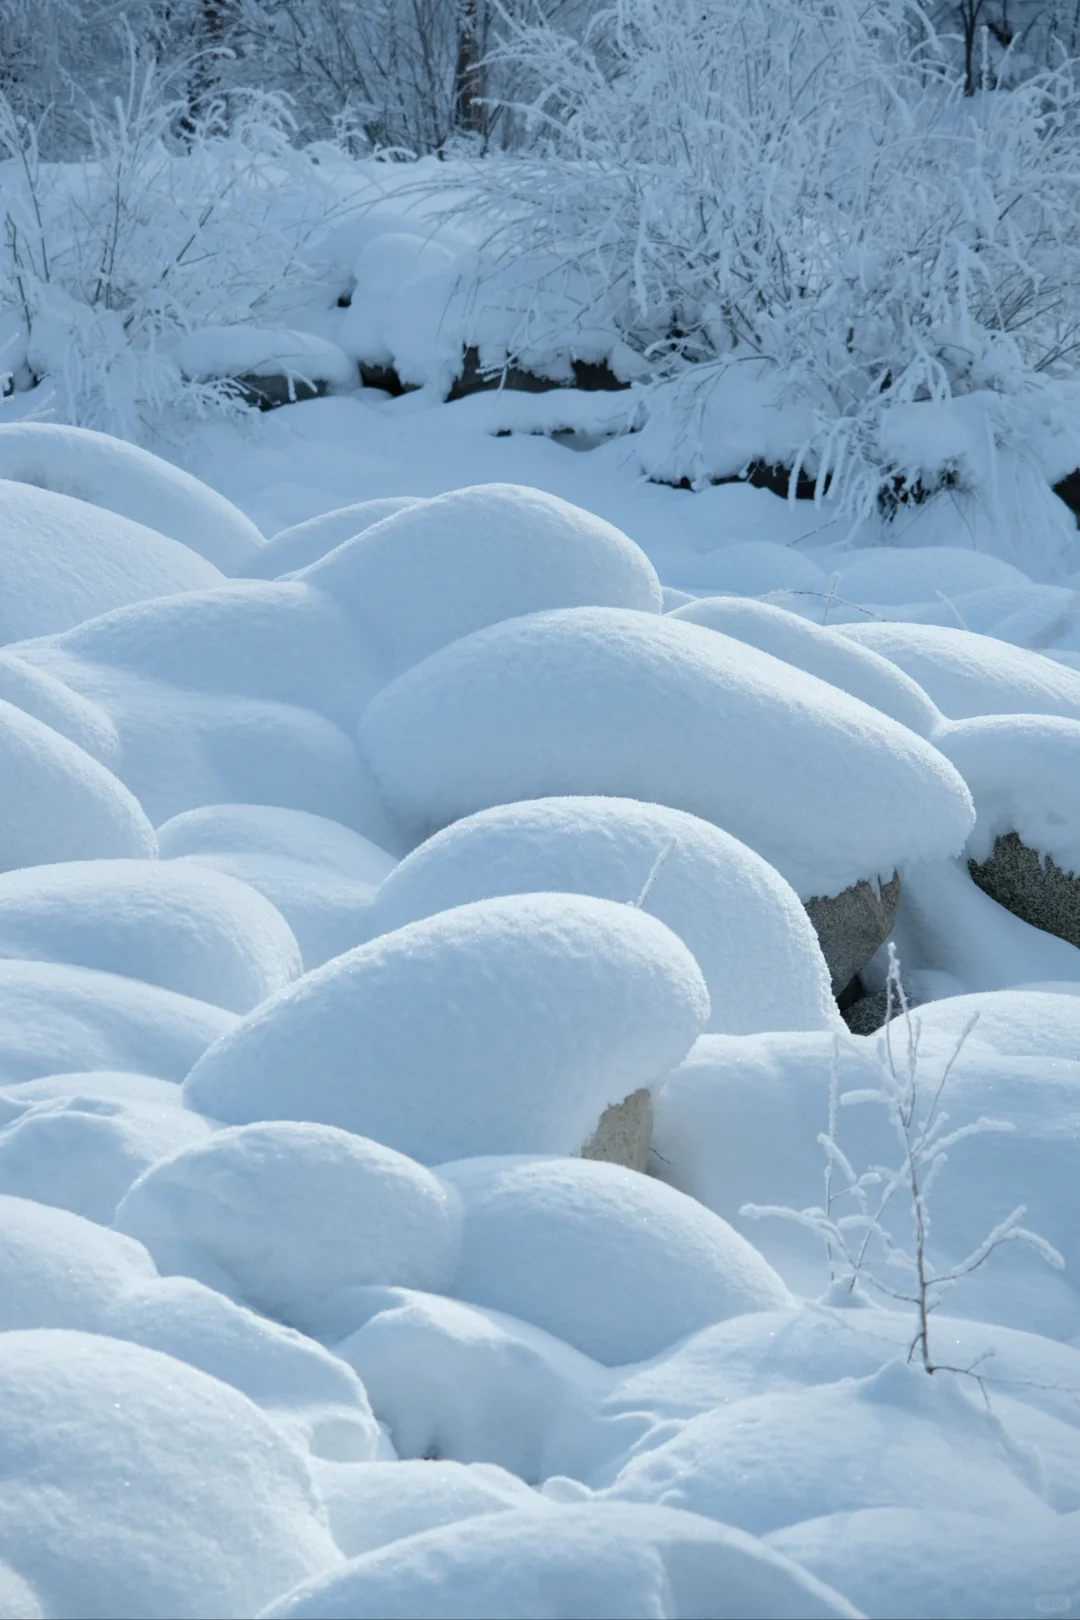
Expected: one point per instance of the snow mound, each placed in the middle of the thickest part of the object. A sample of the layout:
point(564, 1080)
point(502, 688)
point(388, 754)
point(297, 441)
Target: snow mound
point(821, 652)
point(895, 1439)
point(82, 1151)
point(373, 1504)
point(135, 1486)
point(744, 926)
point(602, 701)
point(55, 1017)
point(1015, 1023)
point(891, 576)
point(288, 1217)
point(615, 1263)
point(60, 1271)
point(1024, 776)
point(260, 829)
point(178, 750)
point(47, 699)
point(440, 569)
point(585, 1561)
point(60, 804)
point(133, 483)
point(259, 351)
point(969, 675)
point(178, 926)
point(305, 543)
point(476, 1386)
point(906, 1561)
point(278, 640)
point(326, 912)
point(751, 568)
point(504, 1026)
point(64, 560)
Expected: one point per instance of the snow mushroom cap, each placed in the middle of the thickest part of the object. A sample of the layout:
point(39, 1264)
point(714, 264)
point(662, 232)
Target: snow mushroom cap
point(608, 701)
point(508, 1025)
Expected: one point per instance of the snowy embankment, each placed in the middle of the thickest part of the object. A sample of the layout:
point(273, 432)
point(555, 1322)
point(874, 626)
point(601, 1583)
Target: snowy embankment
point(379, 899)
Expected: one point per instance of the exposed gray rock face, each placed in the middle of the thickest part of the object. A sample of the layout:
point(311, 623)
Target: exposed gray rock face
point(624, 1134)
point(852, 925)
point(1031, 886)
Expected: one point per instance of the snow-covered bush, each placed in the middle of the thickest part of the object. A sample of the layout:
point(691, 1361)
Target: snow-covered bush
point(792, 211)
point(106, 262)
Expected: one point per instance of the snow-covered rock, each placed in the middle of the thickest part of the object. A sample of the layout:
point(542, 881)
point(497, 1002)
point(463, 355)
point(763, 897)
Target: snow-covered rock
point(606, 701)
point(968, 675)
point(504, 1026)
point(738, 918)
point(821, 652)
point(615, 1263)
point(584, 1560)
point(254, 354)
point(373, 1504)
point(64, 560)
point(59, 803)
point(55, 1018)
point(136, 1486)
point(262, 829)
point(46, 698)
point(440, 569)
point(1024, 775)
point(290, 1218)
point(133, 483)
point(59, 1270)
point(895, 575)
point(176, 925)
point(304, 543)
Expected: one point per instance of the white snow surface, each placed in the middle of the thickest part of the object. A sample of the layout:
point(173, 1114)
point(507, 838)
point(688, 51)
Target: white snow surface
point(304, 543)
point(60, 804)
point(508, 1025)
point(187, 929)
point(572, 1562)
point(65, 560)
point(617, 1265)
point(261, 829)
point(821, 652)
point(290, 1218)
point(134, 1485)
point(969, 675)
point(602, 701)
point(437, 570)
point(55, 1018)
point(1024, 775)
point(742, 923)
point(133, 483)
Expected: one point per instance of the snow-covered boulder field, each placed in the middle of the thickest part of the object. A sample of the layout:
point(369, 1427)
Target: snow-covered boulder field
point(363, 886)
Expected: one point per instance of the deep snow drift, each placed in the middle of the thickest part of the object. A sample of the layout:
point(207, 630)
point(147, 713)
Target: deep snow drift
point(346, 900)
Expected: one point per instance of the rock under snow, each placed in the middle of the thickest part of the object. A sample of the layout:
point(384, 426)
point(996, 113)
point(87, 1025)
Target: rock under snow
point(262, 829)
point(852, 925)
point(135, 1487)
point(55, 1018)
point(290, 1218)
point(440, 569)
point(617, 1264)
point(137, 485)
point(273, 366)
point(305, 543)
point(176, 925)
point(605, 701)
point(64, 560)
point(504, 1026)
point(736, 915)
point(60, 804)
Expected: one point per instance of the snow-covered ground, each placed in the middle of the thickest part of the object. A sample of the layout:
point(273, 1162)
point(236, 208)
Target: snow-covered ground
point(354, 860)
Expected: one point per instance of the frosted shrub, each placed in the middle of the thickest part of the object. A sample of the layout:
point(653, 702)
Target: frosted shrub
point(105, 262)
point(791, 212)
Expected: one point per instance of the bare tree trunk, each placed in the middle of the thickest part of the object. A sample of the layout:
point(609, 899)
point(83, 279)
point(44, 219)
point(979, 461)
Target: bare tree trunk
point(471, 111)
point(969, 21)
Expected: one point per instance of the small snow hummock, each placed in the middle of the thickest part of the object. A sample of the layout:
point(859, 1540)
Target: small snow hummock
point(289, 1217)
point(504, 1026)
point(304, 543)
point(134, 484)
point(743, 924)
point(603, 701)
point(1024, 775)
